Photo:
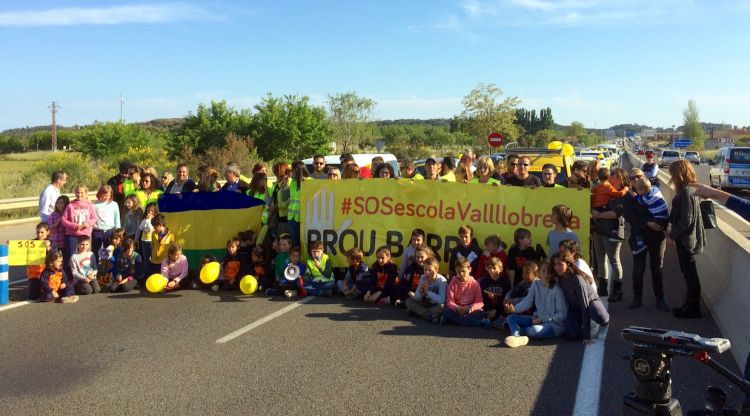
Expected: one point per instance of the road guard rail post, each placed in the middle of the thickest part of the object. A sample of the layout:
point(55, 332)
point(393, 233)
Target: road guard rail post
point(3, 275)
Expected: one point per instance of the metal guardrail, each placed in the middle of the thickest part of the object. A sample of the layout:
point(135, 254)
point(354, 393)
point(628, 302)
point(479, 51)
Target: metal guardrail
point(30, 202)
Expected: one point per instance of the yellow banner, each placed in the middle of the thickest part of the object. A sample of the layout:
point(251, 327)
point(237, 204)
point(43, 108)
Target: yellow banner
point(383, 212)
point(26, 252)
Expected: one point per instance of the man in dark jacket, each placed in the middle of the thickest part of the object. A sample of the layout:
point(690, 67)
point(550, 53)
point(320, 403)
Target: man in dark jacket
point(234, 183)
point(182, 183)
point(119, 183)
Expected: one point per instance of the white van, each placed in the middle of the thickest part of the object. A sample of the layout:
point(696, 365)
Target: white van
point(730, 168)
point(361, 159)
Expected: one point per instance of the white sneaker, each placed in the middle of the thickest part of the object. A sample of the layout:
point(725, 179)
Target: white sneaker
point(195, 285)
point(215, 288)
point(69, 299)
point(288, 293)
point(514, 342)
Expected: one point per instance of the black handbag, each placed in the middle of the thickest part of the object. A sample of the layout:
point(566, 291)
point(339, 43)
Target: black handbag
point(708, 214)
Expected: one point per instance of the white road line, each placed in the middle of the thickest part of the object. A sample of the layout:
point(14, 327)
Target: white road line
point(15, 305)
point(17, 282)
point(590, 380)
point(263, 320)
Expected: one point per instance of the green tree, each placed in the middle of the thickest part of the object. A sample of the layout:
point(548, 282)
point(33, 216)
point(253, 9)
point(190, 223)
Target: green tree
point(692, 127)
point(350, 115)
point(531, 123)
point(484, 113)
point(209, 127)
point(104, 140)
point(576, 129)
point(290, 128)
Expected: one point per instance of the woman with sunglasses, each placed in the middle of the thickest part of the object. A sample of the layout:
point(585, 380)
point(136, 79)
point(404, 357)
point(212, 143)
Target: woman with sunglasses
point(651, 169)
point(148, 191)
point(485, 171)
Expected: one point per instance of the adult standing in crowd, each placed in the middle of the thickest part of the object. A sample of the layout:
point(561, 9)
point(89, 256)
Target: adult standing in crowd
point(279, 209)
point(687, 234)
point(299, 175)
point(408, 171)
point(651, 169)
point(511, 167)
point(485, 170)
point(320, 170)
point(208, 180)
point(166, 179)
point(234, 184)
point(447, 170)
point(182, 183)
point(469, 159)
point(549, 174)
point(149, 191)
point(121, 184)
point(523, 177)
point(430, 169)
point(49, 195)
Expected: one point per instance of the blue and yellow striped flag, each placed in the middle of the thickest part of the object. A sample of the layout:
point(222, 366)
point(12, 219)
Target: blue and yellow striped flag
point(203, 221)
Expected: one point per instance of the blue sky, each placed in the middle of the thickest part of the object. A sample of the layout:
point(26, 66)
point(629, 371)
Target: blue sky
point(598, 62)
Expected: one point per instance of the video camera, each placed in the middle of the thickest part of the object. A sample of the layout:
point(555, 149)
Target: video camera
point(651, 360)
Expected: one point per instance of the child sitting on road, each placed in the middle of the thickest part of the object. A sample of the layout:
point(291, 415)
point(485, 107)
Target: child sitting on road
point(521, 252)
point(175, 268)
point(259, 268)
point(407, 285)
point(463, 303)
point(429, 298)
point(232, 266)
point(356, 281)
point(383, 275)
point(531, 272)
point(161, 239)
point(468, 249)
point(548, 318)
point(571, 246)
point(291, 287)
point(495, 285)
point(247, 243)
point(34, 271)
point(83, 268)
point(417, 241)
point(493, 247)
point(54, 282)
point(129, 270)
point(319, 279)
point(562, 217)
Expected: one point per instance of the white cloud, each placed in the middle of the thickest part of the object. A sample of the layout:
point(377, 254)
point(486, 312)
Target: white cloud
point(143, 13)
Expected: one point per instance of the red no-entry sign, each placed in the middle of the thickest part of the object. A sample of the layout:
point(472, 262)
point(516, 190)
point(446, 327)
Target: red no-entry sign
point(495, 139)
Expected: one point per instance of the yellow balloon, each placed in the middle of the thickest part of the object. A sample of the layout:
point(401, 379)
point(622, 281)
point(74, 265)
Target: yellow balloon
point(600, 157)
point(210, 272)
point(555, 145)
point(568, 150)
point(156, 283)
point(248, 284)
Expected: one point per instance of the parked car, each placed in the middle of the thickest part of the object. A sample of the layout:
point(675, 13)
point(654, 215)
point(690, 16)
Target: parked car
point(730, 169)
point(669, 156)
point(693, 157)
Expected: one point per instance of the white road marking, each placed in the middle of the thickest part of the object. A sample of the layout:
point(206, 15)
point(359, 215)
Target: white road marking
point(263, 320)
point(590, 380)
point(15, 305)
point(18, 282)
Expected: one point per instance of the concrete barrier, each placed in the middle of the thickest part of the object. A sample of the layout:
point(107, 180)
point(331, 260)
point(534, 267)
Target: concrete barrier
point(724, 270)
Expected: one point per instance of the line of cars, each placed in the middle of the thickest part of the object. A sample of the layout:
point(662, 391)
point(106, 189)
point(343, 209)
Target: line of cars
point(665, 157)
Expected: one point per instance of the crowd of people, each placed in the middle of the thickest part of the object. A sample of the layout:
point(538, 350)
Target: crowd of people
point(531, 291)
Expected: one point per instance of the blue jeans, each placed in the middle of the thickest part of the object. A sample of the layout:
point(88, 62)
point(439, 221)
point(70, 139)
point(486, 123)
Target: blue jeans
point(522, 325)
point(319, 288)
point(473, 319)
point(146, 251)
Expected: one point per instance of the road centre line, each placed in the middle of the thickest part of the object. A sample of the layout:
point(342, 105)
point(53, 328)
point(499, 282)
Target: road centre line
point(15, 305)
point(590, 379)
point(263, 320)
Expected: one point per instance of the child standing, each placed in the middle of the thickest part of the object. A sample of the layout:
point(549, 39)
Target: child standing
point(146, 230)
point(128, 269)
point(56, 229)
point(562, 216)
point(54, 282)
point(161, 239)
point(107, 218)
point(521, 252)
point(175, 268)
point(468, 249)
point(34, 271)
point(429, 299)
point(355, 282)
point(495, 285)
point(83, 267)
point(78, 219)
point(233, 265)
point(546, 322)
point(583, 301)
point(417, 241)
point(383, 275)
point(409, 281)
point(319, 275)
point(133, 217)
point(463, 303)
point(493, 247)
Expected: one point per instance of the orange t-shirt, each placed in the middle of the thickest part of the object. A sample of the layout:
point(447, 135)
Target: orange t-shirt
point(231, 269)
point(603, 193)
point(55, 280)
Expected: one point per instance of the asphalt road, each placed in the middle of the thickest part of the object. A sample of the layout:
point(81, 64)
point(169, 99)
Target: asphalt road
point(157, 354)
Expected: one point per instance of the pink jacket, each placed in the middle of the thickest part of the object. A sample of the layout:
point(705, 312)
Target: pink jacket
point(175, 271)
point(467, 293)
point(79, 212)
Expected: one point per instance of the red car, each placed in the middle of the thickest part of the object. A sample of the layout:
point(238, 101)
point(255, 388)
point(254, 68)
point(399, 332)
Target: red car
point(641, 152)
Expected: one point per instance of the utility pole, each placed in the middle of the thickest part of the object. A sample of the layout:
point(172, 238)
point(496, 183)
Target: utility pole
point(122, 103)
point(53, 108)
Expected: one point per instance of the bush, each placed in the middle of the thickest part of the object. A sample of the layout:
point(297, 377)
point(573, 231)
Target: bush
point(80, 169)
point(237, 149)
point(143, 157)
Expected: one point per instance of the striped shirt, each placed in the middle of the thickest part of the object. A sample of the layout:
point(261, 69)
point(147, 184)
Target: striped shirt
point(655, 203)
